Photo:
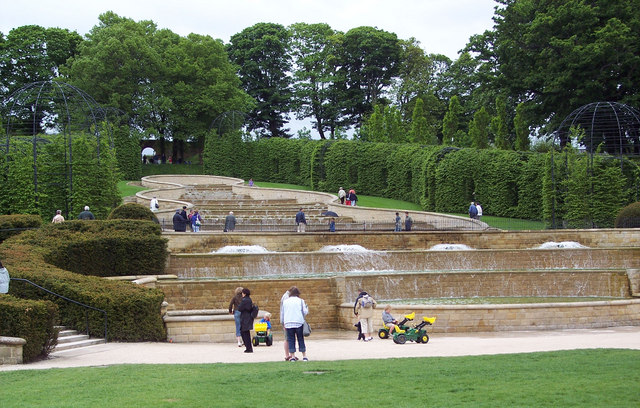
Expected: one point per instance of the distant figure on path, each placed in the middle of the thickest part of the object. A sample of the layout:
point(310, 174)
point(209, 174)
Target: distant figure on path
point(408, 221)
point(86, 214)
point(473, 211)
point(230, 222)
point(341, 195)
point(479, 208)
point(301, 221)
point(153, 204)
point(58, 218)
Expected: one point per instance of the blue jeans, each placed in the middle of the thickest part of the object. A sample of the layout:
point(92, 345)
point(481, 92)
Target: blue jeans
point(236, 317)
point(291, 339)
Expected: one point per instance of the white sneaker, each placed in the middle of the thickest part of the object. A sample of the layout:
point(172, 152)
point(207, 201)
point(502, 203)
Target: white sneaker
point(370, 338)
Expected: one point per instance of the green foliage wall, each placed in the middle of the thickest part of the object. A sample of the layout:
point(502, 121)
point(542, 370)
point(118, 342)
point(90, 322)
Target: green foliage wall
point(68, 173)
point(443, 178)
point(32, 320)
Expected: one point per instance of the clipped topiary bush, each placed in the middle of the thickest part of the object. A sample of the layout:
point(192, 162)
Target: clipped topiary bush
point(14, 224)
point(629, 216)
point(32, 320)
point(132, 211)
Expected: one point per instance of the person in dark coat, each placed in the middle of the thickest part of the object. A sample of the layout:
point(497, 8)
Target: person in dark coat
point(179, 222)
point(86, 214)
point(246, 321)
point(230, 222)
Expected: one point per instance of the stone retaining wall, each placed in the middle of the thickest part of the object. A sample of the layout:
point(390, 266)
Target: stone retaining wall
point(488, 318)
point(11, 350)
point(329, 299)
point(248, 265)
point(288, 242)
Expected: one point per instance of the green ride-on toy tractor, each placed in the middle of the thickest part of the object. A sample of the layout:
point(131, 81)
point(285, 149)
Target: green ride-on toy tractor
point(417, 333)
point(384, 332)
point(263, 335)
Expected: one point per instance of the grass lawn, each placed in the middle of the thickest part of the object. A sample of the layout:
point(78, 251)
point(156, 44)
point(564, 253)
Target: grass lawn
point(127, 190)
point(580, 378)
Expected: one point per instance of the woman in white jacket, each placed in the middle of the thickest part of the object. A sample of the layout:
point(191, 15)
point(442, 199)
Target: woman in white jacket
point(294, 309)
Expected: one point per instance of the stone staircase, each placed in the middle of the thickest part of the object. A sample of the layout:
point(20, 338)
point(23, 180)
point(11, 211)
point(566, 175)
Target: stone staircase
point(70, 339)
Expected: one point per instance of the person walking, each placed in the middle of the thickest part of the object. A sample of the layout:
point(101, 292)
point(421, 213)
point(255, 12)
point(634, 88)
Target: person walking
point(473, 211)
point(246, 320)
point(196, 221)
point(285, 296)
point(58, 218)
point(295, 309)
point(179, 222)
point(479, 208)
point(408, 221)
point(233, 309)
point(364, 310)
point(341, 195)
point(353, 197)
point(398, 226)
point(301, 221)
point(153, 204)
point(86, 214)
point(230, 222)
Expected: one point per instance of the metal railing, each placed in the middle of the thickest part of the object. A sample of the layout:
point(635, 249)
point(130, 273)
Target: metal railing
point(86, 312)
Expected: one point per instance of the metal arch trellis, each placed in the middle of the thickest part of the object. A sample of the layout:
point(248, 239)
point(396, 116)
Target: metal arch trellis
point(607, 128)
point(51, 107)
point(229, 121)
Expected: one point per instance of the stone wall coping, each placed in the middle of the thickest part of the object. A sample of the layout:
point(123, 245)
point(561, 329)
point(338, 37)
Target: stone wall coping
point(555, 305)
point(134, 277)
point(12, 341)
point(203, 315)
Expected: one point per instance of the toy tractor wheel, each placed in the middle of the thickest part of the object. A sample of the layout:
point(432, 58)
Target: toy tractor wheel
point(400, 339)
point(383, 334)
point(424, 339)
point(269, 341)
point(255, 341)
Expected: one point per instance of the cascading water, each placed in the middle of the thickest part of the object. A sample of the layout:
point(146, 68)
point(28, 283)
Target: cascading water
point(563, 244)
point(344, 248)
point(241, 249)
point(450, 247)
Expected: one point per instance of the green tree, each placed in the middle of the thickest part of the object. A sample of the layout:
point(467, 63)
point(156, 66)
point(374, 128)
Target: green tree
point(451, 133)
point(499, 125)
point(479, 129)
point(262, 56)
point(522, 143)
point(419, 132)
point(558, 56)
point(369, 60)
point(316, 84)
point(32, 53)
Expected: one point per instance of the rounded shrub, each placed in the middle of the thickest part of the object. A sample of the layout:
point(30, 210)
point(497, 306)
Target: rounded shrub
point(132, 211)
point(629, 216)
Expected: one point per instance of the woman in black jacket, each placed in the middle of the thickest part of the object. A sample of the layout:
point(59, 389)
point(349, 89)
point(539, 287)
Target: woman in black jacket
point(246, 321)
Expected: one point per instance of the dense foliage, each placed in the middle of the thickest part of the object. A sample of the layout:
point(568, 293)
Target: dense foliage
point(629, 216)
point(54, 181)
point(105, 248)
point(567, 189)
point(32, 320)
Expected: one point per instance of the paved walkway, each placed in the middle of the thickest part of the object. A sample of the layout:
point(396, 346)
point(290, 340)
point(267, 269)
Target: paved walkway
point(333, 345)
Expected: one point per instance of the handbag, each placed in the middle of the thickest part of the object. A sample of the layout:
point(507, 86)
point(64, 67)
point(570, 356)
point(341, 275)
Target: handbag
point(306, 329)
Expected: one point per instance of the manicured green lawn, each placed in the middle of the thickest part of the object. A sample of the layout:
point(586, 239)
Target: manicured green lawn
point(581, 378)
point(127, 190)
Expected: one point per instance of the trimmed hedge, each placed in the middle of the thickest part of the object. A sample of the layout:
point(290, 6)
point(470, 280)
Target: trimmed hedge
point(133, 211)
point(103, 248)
point(11, 225)
point(32, 320)
point(442, 178)
point(629, 216)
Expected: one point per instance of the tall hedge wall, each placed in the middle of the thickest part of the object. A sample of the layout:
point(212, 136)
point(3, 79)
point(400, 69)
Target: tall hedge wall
point(442, 178)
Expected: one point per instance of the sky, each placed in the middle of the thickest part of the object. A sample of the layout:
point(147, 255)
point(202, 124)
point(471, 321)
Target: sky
point(441, 26)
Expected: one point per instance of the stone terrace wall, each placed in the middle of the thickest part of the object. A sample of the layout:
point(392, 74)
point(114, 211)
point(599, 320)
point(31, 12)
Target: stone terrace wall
point(286, 242)
point(327, 297)
point(248, 265)
point(488, 318)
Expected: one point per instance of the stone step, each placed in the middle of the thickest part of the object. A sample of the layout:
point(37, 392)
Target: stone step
point(70, 339)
